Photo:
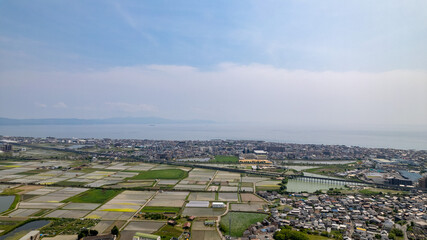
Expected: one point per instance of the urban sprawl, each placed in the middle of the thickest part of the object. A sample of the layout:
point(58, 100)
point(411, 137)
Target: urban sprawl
point(75, 188)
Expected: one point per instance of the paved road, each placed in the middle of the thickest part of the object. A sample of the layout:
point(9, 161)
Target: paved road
point(219, 219)
point(403, 228)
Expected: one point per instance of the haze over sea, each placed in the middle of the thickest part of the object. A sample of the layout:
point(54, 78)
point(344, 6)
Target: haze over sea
point(399, 139)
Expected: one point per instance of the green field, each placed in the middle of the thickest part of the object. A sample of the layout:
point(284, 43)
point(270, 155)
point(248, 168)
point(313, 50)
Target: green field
point(225, 159)
point(240, 221)
point(155, 209)
point(317, 237)
point(161, 174)
point(94, 196)
point(67, 226)
point(376, 191)
point(8, 225)
point(168, 232)
point(331, 170)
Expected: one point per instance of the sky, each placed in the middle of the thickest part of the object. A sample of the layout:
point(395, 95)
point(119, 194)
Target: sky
point(332, 63)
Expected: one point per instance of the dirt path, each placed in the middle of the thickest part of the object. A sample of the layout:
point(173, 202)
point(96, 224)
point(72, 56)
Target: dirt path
point(219, 219)
point(213, 177)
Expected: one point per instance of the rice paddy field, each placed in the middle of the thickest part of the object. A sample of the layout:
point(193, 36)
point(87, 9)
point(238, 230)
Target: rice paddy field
point(169, 199)
point(203, 212)
point(202, 196)
point(105, 193)
point(140, 226)
point(126, 202)
point(267, 185)
point(94, 196)
point(200, 231)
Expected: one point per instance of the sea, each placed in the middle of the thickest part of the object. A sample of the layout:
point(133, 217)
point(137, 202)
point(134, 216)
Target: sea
point(398, 139)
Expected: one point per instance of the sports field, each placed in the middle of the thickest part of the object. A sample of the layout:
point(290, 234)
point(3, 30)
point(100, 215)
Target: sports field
point(225, 159)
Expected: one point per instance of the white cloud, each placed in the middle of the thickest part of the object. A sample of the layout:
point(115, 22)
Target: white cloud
point(40, 105)
point(60, 105)
point(131, 108)
point(232, 92)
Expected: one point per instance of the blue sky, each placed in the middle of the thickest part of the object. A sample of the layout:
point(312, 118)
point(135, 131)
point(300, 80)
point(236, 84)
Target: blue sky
point(123, 55)
point(311, 35)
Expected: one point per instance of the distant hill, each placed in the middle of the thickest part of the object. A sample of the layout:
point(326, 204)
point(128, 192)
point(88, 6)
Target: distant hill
point(76, 121)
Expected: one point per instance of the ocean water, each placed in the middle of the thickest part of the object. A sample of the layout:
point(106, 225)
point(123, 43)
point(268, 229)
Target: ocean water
point(365, 138)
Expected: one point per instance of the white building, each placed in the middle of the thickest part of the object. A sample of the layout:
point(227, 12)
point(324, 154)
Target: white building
point(218, 205)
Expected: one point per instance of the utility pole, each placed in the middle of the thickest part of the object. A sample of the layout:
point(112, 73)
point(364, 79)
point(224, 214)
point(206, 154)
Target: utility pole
point(229, 226)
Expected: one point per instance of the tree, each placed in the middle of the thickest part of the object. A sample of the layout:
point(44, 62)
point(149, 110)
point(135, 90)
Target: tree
point(287, 234)
point(283, 187)
point(86, 232)
point(115, 230)
point(93, 232)
point(397, 232)
point(318, 192)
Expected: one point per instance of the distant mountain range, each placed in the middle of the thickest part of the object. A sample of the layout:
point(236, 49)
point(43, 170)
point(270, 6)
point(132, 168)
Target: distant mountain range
point(76, 121)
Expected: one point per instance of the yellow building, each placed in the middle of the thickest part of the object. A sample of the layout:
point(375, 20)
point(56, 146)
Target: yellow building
point(254, 161)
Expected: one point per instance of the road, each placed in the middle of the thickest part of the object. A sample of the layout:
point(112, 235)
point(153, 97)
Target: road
point(219, 219)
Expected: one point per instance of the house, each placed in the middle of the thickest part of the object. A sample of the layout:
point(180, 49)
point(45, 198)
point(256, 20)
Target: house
point(210, 223)
point(103, 237)
point(33, 235)
point(186, 225)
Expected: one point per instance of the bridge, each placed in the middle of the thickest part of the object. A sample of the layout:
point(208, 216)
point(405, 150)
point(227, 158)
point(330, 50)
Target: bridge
point(327, 180)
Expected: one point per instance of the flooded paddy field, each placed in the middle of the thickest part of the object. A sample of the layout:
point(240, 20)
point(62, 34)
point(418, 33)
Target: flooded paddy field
point(127, 201)
point(202, 196)
point(140, 226)
point(5, 202)
point(248, 207)
point(203, 212)
point(169, 199)
point(202, 232)
point(67, 214)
